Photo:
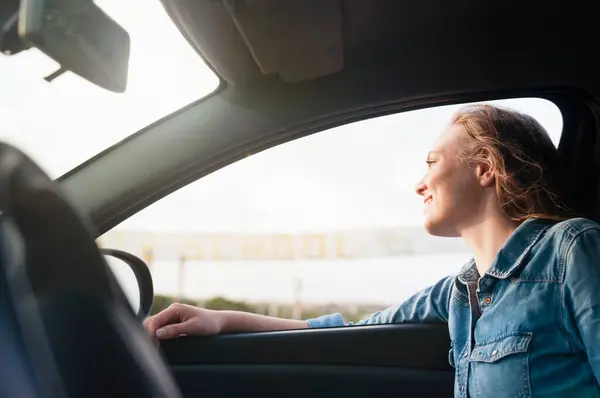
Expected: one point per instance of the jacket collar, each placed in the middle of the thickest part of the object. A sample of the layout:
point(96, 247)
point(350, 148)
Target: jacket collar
point(512, 254)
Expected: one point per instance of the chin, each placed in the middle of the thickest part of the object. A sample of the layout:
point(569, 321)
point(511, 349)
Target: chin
point(440, 228)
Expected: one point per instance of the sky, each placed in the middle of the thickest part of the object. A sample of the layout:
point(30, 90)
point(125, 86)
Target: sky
point(354, 176)
point(358, 175)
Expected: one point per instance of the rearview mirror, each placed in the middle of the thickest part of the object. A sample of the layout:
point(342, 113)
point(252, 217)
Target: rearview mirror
point(80, 37)
point(134, 278)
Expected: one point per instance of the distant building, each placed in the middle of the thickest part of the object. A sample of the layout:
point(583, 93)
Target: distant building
point(358, 243)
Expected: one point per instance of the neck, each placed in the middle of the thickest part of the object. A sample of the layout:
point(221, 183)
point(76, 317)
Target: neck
point(486, 237)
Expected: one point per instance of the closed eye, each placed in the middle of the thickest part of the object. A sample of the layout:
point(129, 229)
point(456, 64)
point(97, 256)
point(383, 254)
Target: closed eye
point(430, 162)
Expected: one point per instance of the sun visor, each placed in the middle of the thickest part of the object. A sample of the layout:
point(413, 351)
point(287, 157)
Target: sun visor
point(246, 39)
point(296, 39)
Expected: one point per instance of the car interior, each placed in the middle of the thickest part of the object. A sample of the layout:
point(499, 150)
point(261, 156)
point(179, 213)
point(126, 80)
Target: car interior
point(287, 69)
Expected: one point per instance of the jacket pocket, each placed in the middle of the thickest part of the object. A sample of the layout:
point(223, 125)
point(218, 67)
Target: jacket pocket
point(500, 367)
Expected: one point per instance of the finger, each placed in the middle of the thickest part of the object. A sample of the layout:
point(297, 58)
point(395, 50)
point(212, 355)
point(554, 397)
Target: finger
point(175, 330)
point(170, 315)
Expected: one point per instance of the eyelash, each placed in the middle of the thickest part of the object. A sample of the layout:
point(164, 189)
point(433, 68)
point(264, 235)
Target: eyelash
point(430, 162)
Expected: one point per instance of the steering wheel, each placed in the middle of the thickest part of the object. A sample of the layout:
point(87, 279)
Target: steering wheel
point(66, 328)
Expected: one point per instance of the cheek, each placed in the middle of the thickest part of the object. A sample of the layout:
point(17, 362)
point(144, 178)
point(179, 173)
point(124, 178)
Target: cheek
point(465, 193)
point(454, 188)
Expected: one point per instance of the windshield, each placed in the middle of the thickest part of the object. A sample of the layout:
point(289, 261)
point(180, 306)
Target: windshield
point(63, 123)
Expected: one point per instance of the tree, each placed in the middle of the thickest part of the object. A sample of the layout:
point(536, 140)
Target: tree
point(161, 302)
point(221, 303)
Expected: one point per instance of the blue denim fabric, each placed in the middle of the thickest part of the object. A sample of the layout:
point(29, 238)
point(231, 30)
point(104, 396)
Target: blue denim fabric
point(531, 328)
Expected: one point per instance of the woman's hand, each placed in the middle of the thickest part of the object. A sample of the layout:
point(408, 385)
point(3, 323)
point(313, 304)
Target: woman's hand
point(182, 319)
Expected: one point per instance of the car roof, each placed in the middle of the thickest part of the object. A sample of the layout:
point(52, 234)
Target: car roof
point(383, 57)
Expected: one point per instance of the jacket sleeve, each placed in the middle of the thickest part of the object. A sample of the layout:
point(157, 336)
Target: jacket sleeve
point(581, 301)
point(428, 305)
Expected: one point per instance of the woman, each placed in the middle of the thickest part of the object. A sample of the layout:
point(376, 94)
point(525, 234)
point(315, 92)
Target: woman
point(523, 314)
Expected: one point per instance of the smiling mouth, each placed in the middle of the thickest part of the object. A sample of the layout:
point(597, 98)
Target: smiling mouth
point(428, 200)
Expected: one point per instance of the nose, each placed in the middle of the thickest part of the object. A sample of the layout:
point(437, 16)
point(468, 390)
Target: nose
point(421, 188)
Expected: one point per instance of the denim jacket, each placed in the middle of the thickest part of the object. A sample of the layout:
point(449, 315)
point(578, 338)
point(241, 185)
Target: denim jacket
point(532, 326)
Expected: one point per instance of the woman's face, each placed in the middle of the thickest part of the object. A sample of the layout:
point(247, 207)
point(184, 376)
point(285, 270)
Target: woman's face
point(451, 190)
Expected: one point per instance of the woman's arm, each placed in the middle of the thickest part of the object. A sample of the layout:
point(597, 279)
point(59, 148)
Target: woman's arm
point(180, 319)
point(428, 305)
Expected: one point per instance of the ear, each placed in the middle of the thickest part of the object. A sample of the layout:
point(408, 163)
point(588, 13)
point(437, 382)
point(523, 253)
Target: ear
point(485, 174)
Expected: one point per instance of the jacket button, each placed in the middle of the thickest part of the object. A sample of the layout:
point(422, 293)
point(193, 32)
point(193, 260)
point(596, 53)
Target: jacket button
point(494, 352)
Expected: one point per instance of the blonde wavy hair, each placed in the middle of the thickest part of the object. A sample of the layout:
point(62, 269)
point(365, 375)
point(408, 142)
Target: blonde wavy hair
point(528, 168)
